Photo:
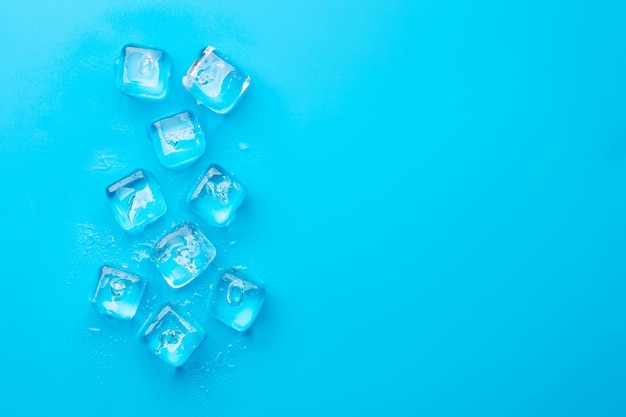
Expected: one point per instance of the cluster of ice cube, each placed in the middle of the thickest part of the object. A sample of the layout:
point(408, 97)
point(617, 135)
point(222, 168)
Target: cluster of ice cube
point(183, 253)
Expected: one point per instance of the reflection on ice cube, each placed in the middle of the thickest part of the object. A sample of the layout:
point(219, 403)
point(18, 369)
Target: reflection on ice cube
point(214, 82)
point(118, 293)
point(178, 139)
point(136, 201)
point(171, 336)
point(216, 196)
point(236, 299)
point(143, 72)
point(183, 254)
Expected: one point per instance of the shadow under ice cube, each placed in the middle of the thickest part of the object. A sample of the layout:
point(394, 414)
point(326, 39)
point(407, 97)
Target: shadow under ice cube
point(136, 201)
point(143, 72)
point(214, 82)
point(236, 300)
point(178, 139)
point(170, 336)
point(118, 293)
point(183, 254)
point(216, 196)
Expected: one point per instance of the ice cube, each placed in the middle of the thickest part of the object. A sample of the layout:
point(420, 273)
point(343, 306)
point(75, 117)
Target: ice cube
point(170, 336)
point(182, 254)
point(143, 72)
point(136, 200)
point(178, 139)
point(214, 82)
point(216, 196)
point(118, 293)
point(236, 300)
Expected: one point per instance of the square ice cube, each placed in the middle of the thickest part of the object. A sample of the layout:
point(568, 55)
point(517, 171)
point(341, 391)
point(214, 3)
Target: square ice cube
point(118, 293)
point(178, 139)
point(143, 72)
point(216, 196)
point(136, 200)
point(214, 82)
point(171, 336)
point(182, 254)
point(236, 300)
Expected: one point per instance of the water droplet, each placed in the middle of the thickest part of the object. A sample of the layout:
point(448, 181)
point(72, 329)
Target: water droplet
point(117, 287)
point(235, 292)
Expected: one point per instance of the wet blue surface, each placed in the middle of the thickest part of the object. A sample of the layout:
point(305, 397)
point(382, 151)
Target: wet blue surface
point(436, 204)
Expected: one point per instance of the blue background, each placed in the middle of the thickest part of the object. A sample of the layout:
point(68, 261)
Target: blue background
point(437, 206)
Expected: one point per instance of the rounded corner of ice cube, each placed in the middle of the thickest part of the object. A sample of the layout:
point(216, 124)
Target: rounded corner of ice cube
point(225, 221)
point(143, 328)
point(158, 97)
point(179, 283)
point(186, 82)
point(207, 50)
point(245, 86)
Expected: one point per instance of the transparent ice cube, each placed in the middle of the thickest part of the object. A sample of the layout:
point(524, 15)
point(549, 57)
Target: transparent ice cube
point(136, 200)
point(178, 139)
point(236, 300)
point(216, 196)
point(182, 254)
point(214, 82)
point(143, 72)
point(118, 293)
point(170, 336)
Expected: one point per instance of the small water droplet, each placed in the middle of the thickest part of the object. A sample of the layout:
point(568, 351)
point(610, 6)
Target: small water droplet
point(117, 287)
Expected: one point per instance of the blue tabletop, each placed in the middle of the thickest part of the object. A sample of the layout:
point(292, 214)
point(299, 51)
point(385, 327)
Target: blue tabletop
point(436, 200)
